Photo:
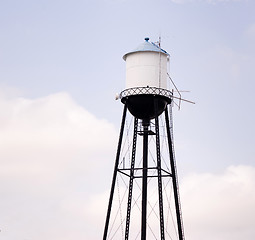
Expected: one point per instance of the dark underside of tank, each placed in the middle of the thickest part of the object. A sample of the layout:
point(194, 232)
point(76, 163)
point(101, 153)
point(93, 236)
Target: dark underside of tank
point(146, 106)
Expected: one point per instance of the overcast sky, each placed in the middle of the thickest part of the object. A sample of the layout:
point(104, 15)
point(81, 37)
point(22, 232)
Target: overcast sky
point(60, 67)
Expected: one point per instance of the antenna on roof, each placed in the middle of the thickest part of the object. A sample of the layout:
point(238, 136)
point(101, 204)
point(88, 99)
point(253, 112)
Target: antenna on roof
point(158, 43)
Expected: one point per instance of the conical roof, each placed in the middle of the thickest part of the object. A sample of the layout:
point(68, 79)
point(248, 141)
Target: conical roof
point(146, 46)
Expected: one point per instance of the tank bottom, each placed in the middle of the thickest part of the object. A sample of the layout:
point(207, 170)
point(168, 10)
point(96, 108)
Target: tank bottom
point(146, 106)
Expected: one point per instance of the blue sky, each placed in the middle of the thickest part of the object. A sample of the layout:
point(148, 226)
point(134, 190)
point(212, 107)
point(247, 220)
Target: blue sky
point(60, 68)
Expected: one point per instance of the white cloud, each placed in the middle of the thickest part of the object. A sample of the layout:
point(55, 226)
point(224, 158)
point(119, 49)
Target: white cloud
point(51, 126)
point(220, 206)
point(52, 153)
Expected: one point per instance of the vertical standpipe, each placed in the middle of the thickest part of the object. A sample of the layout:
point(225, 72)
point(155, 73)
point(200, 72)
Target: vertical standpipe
point(146, 124)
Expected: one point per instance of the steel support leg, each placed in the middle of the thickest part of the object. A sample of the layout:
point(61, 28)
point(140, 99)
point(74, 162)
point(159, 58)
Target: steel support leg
point(160, 195)
point(115, 173)
point(174, 178)
point(131, 180)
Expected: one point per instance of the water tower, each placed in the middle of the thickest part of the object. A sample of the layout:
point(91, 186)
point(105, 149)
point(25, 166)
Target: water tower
point(148, 172)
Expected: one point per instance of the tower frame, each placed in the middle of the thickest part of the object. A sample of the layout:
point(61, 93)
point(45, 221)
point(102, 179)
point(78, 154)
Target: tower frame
point(173, 174)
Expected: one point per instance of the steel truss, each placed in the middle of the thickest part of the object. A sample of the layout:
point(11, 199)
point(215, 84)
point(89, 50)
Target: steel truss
point(130, 172)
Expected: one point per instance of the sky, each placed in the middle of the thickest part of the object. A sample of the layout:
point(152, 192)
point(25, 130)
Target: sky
point(60, 68)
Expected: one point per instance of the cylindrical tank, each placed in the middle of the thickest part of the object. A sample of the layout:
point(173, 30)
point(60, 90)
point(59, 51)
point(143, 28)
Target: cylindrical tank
point(146, 66)
point(146, 93)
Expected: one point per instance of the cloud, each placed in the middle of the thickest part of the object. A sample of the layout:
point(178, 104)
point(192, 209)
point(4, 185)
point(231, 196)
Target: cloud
point(220, 206)
point(55, 123)
point(53, 156)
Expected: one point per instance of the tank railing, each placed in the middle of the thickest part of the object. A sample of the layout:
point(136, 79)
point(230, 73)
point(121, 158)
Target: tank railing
point(146, 90)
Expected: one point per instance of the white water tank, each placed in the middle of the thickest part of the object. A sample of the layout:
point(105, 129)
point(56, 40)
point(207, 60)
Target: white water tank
point(146, 66)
